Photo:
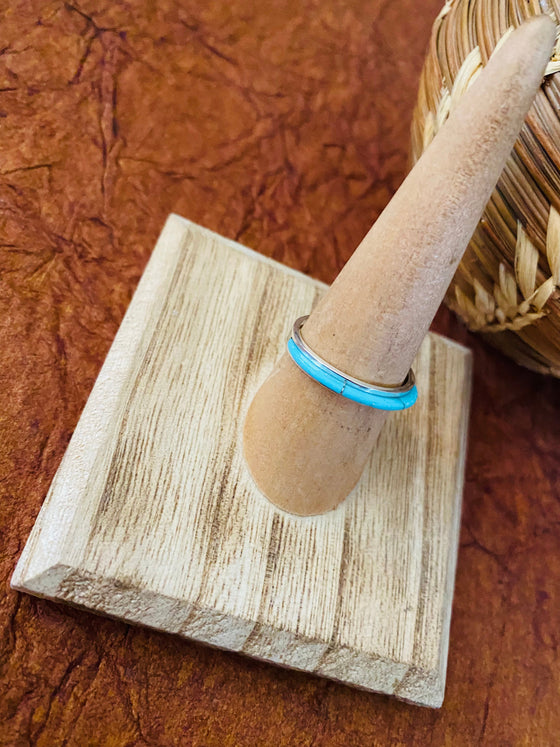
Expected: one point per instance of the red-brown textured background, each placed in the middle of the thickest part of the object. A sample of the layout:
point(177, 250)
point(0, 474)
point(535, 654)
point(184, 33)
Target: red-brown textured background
point(283, 125)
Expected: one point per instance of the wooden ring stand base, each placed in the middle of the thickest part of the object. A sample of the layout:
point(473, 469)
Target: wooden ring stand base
point(153, 517)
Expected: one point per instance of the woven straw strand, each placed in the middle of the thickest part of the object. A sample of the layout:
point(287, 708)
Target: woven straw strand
point(501, 309)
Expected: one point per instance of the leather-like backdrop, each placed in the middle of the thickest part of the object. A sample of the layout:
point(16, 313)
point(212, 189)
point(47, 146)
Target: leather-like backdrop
point(285, 126)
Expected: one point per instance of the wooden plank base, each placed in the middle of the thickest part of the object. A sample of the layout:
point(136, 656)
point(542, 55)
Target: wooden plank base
point(153, 518)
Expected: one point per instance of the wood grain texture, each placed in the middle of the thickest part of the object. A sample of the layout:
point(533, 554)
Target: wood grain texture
point(153, 518)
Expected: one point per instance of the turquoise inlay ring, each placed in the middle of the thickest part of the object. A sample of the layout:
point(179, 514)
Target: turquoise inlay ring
point(381, 397)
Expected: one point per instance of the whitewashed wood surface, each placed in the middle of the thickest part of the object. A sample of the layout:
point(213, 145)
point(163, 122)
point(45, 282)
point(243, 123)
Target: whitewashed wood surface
point(152, 516)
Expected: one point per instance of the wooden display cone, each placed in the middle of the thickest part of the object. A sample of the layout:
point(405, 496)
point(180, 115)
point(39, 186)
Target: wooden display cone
point(306, 446)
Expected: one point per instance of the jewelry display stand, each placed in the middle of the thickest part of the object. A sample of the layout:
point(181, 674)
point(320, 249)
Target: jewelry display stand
point(153, 517)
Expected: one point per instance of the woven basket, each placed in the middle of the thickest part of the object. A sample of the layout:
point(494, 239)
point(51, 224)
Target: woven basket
point(506, 287)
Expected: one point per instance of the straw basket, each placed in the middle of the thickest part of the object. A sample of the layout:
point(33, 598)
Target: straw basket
point(506, 287)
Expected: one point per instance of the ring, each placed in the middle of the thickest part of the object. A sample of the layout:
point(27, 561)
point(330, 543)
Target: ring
point(398, 397)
